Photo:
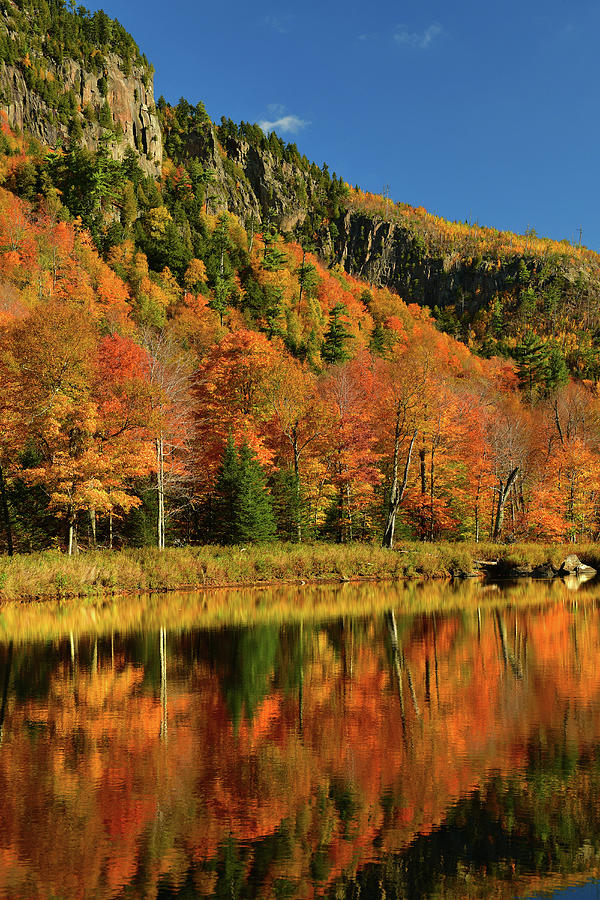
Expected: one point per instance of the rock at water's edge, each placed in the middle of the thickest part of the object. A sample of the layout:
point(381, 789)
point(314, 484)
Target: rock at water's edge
point(572, 565)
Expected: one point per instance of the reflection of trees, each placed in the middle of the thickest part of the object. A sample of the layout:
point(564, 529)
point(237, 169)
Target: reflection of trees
point(245, 667)
point(506, 832)
point(7, 671)
point(242, 802)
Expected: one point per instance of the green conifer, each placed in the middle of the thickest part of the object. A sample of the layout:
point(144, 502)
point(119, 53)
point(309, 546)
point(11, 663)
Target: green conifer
point(531, 356)
point(337, 337)
point(243, 511)
point(226, 493)
point(253, 513)
point(377, 344)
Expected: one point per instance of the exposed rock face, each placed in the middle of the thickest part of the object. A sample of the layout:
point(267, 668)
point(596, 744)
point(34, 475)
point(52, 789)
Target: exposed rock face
point(130, 101)
point(273, 184)
point(253, 184)
point(386, 253)
point(230, 190)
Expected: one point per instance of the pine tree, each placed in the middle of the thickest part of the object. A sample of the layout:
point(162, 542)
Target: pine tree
point(253, 513)
point(243, 511)
point(377, 344)
point(531, 356)
point(557, 373)
point(220, 296)
point(274, 258)
point(226, 493)
point(335, 345)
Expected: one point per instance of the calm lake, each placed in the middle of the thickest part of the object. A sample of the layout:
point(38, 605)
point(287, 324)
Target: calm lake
point(436, 753)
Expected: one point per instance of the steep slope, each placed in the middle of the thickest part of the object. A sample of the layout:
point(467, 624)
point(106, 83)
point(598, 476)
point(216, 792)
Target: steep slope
point(489, 288)
point(79, 79)
point(65, 74)
point(258, 177)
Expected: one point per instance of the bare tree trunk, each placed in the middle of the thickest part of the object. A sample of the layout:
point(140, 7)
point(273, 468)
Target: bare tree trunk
point(349, 508)
point(160, 493)
point(503, 493)
point(423, 470)
point(71, 533)
point(397, 490)
point(423, 476)
point(431, 494)
point(6, 514)
point(110, 530)
point(93, 527)
point(297, 477)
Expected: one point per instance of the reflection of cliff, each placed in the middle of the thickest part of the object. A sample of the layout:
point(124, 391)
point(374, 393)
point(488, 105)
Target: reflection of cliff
point(255, 762)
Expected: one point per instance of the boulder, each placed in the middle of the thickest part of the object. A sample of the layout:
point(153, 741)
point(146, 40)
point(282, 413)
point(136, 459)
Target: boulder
point(572, 565)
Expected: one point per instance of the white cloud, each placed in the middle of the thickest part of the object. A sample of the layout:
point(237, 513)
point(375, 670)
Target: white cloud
point(285, 124)
point(419, 40)
point(281, 23)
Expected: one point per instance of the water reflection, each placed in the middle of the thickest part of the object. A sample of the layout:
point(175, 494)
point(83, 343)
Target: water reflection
point(432, 754)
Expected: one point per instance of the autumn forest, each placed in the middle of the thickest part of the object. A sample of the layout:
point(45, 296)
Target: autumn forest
point(177, 368)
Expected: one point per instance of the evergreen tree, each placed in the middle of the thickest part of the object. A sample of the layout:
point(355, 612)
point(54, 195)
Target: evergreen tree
point(557, 373)
point(222, 244)
point(497, 321)
point(289, 505)
point(220, 295)
point(244, 513)
point(528, 304)
point(105, 116)
point(308, 279)
point(335, 345)
point(274, 257)
point(531, 356)
point(377, 344)
point(254, 521)
point(226, 493)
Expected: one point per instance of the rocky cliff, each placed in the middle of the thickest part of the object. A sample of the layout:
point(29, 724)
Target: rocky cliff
point(258, 177)
point(389, 254)
point(99, 95)
point(76, 75)
point(426, 260)
point(441, 264)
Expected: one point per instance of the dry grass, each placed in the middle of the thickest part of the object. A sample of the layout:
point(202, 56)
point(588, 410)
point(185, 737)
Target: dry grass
point(52, 575)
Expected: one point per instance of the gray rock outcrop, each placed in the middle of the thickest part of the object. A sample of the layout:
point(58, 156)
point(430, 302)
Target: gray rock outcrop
point(572, 565)
point(129, 96)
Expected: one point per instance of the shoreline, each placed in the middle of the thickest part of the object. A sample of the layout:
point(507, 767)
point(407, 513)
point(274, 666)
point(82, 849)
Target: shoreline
point(248, 606)
point(51, 575)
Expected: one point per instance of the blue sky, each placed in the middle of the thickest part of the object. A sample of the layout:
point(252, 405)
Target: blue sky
point(478, 111)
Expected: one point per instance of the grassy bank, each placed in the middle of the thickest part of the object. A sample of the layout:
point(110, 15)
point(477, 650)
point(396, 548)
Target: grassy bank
point(52, 575)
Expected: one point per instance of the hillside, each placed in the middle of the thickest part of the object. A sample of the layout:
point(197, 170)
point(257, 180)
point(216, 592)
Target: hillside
point(486, 287)
point(490, 289)
point(191, 357)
